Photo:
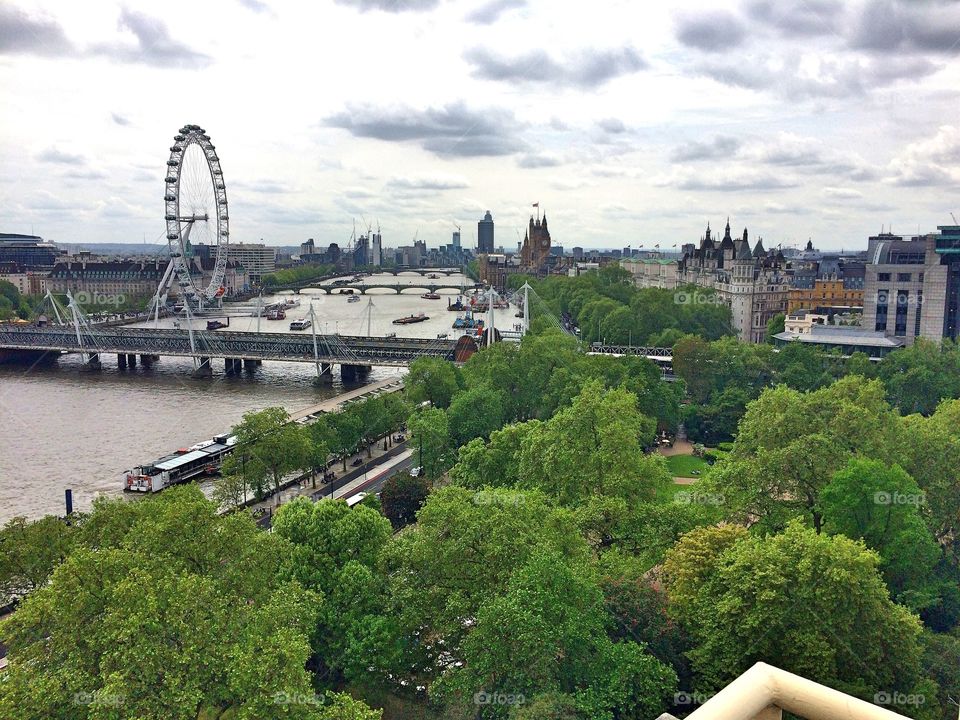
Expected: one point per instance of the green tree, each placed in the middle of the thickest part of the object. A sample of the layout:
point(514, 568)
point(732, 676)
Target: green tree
point(29, 553)
point(775, 325)
point(593, 447)
point(432, 380)
point(790, 444)
point(811, 604)
point(280, 446)
point(920, 376)
point(335, 552)
point(374, 421)
point(346, 429)
point(881, 505)
point(231, 490)
point(186, 614)
point(496, 463)
point(941, 662)
point(401, 497)
point(461, 552)
point(475, 413)
point(431, 439)
point(546, 634)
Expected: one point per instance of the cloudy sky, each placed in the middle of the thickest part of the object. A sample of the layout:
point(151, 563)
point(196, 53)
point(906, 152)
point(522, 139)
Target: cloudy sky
point(632, 123)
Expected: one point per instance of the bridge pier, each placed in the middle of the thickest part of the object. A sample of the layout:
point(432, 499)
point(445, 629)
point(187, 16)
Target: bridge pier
point(122, 361)
point(203, 370)
point(249, 364)
point(325, 375)
point(351, 373)
point(148, 359)
point(132, 360)
point(92, 362)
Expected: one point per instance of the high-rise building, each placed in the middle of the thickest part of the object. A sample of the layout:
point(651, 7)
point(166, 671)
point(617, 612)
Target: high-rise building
point(361, 251)
point(456, 240)
point(912, 286)
point(485, 234)
point(376, 250)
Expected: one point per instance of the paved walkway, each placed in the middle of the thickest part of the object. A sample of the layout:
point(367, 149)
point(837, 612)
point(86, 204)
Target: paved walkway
point(679, 447)
point(335, 403)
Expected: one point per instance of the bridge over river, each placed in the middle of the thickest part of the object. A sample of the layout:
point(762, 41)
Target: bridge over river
point(354, 354)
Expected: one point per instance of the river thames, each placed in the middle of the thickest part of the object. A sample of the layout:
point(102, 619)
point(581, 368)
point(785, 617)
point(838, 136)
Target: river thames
point(62, 428)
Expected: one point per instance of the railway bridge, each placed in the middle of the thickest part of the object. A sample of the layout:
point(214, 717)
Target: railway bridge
point(354, 354)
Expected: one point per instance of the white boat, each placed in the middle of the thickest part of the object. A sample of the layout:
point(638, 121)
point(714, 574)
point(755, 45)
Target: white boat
point(353, 298)
point(301, 324)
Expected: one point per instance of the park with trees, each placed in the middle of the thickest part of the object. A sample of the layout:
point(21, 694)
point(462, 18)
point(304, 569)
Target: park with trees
point(543, 564)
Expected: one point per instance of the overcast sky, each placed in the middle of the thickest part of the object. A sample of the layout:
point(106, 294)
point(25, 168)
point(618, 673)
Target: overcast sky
point(632, 123)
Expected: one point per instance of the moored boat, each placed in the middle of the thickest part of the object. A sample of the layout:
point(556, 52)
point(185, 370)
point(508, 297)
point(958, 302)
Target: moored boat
point(409, 319)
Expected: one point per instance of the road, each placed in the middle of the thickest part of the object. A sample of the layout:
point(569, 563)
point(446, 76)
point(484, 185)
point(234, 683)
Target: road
point(366, 478)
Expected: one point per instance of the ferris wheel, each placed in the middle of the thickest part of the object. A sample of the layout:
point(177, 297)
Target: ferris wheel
point(196, 212)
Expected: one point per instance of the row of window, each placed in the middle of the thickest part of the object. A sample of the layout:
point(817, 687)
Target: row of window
point(901, 277)
point(900, 318)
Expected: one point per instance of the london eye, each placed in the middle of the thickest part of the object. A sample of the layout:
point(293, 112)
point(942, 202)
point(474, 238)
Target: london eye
point(195, 201)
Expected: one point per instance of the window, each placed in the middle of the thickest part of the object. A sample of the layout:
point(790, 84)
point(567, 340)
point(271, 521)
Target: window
point(920, 277)
point(883, 277)
point(903, 302)
point(881, 324)
point(916, 322)
point(903, 277)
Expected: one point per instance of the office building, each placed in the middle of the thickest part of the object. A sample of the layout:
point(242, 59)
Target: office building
point(912, 286)
point(28, 251)
point(376, 250)
point(485, 234)
point(257, 258)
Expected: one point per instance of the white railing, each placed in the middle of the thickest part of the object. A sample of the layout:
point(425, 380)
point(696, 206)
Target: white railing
point(763, 691)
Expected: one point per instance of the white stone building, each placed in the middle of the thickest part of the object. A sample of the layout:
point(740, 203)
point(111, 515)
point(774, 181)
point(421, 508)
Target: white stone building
point(754, 283)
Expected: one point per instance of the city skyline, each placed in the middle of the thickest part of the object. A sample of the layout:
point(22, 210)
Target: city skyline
point(630, 125)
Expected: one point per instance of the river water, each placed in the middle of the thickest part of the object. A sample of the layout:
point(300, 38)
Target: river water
point(61, 428)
